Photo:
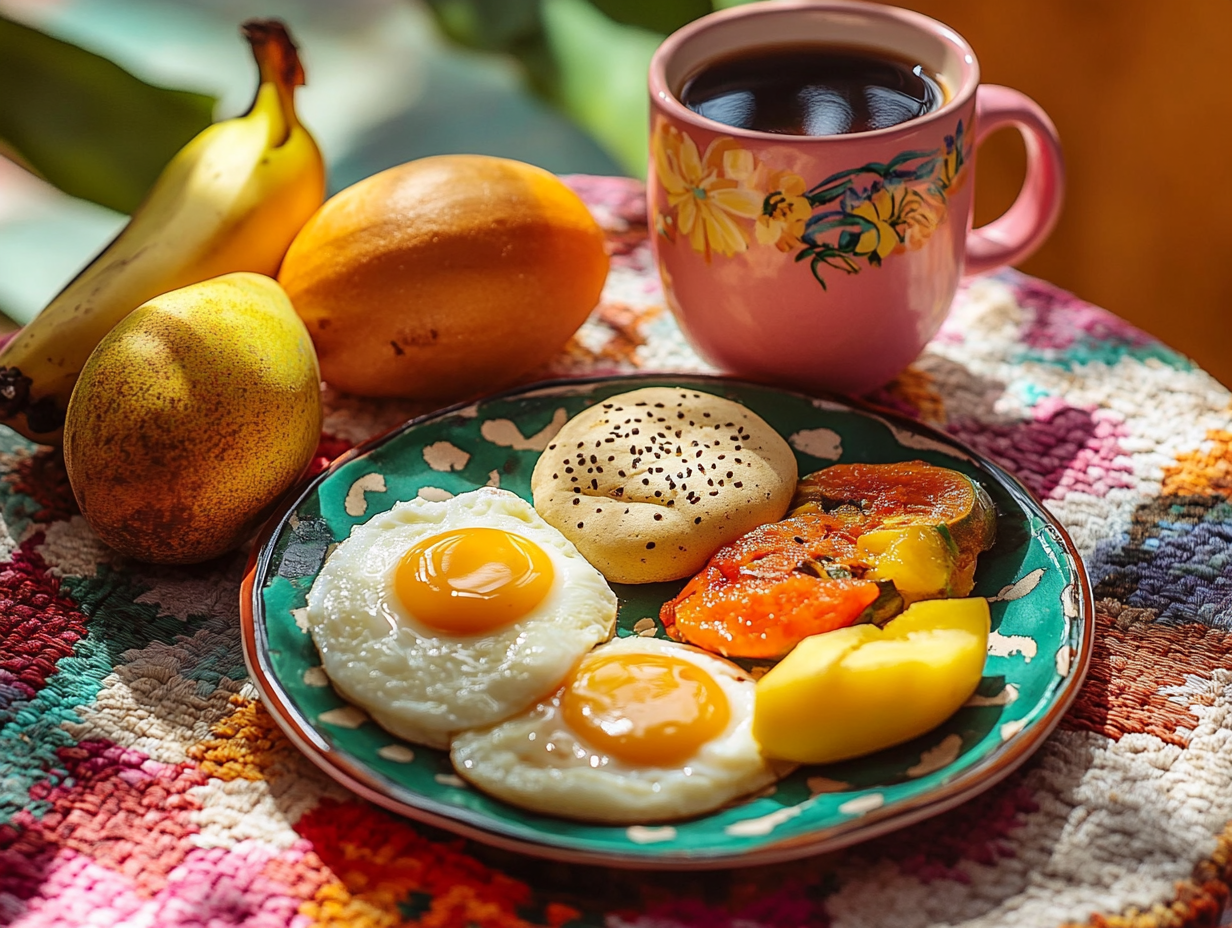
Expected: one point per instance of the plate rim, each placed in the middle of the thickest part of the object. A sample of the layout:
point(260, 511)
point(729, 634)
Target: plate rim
point(364, 781)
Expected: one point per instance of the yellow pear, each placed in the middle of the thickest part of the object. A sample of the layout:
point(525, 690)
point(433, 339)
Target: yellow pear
point(191, 419)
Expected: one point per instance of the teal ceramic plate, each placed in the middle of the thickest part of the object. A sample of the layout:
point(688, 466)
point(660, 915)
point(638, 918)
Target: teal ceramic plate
point(1038, 653)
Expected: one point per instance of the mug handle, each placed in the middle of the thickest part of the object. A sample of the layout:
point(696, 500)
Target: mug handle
point(1016, 233)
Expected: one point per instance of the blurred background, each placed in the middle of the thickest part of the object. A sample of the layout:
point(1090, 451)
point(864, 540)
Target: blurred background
point(96, 95)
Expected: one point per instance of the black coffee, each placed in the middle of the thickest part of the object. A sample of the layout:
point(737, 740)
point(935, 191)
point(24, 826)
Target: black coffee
point(812, 90)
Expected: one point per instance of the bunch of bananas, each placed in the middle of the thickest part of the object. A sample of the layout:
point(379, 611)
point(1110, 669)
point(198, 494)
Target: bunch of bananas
point(231, 200)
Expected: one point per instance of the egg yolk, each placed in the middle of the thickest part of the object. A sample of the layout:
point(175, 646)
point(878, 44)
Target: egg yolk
point(648, 709)
point(472, 580)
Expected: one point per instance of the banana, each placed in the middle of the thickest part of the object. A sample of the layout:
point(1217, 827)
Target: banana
point(232, 199)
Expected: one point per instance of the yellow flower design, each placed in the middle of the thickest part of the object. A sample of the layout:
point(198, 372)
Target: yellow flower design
point(880, 209)
point(707, 200)
point(922, 213)
point(785, 213)
point(867, 212)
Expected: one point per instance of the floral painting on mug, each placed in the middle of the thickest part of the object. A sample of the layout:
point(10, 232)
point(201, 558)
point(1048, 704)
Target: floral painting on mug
point(724, 199)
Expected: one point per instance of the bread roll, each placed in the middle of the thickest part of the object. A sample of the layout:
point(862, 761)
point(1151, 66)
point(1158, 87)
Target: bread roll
point(649, 484)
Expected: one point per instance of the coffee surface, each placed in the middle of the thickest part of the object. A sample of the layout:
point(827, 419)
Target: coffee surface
point(812, 89)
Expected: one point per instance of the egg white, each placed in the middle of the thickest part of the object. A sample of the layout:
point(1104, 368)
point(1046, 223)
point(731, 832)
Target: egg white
point(536, 761)
point(423, 685)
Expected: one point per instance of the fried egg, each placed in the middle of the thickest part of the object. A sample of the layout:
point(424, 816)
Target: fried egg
point(643, 730)
point(440, 616)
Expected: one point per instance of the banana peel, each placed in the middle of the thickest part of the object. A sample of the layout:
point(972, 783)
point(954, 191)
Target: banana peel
point(231, 200)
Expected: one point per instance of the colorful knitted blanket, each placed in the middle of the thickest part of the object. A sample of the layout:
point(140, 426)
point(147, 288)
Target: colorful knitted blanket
point(143, 784)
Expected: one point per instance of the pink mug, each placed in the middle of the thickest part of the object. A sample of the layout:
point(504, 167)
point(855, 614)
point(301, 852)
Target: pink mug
point(826, 263)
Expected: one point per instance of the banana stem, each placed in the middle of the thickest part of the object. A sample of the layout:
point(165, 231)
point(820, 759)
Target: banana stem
point(277, 60)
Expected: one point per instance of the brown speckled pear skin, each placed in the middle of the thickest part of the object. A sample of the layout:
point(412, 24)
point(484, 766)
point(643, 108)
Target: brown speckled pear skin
point(192, 417)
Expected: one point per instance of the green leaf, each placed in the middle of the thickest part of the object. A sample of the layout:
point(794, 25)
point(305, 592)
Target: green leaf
point(824, 222)
point(588, 57)
point(85, 124)
point(489, 25)
point(509, 27)
point(818, 260)
point(662, 16)
point(601, 70)
point(848, 240)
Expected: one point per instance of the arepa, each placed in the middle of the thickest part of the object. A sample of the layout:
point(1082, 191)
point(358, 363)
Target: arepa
point(648, 484)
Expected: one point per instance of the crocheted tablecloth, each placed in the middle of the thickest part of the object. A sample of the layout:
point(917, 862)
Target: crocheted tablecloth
point(141, 782)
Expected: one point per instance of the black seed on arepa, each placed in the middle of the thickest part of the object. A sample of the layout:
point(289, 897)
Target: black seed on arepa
point(649, 545)
point(581, 524)
point(576, 500)
point(658, 517)
point(697, 521)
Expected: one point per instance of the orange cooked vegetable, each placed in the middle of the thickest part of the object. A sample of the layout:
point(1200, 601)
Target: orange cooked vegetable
point(867, 497)
point(772, 588)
